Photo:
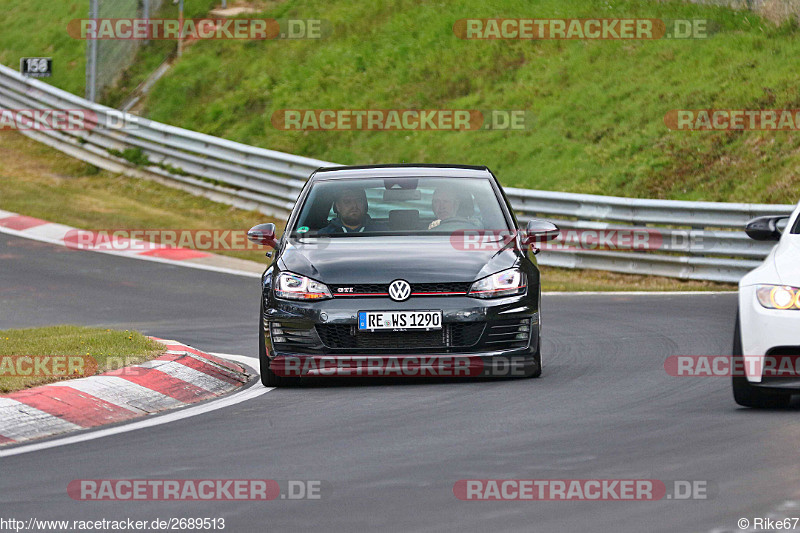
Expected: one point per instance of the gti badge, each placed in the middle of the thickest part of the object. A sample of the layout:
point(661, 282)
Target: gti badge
point(399, 290)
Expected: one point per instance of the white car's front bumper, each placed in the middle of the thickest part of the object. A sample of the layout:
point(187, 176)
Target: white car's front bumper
point(765, 329)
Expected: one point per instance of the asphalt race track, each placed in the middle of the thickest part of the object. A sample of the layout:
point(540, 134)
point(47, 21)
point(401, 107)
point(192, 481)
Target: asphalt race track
point(391, 451)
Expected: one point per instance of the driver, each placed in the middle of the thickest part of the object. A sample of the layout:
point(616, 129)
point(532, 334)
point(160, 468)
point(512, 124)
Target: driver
point(350, 207)
point(446, 204)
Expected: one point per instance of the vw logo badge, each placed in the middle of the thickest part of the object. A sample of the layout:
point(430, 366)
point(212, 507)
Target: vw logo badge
point(399, 290)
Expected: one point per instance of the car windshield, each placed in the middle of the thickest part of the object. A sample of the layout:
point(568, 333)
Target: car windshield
point(399, 206)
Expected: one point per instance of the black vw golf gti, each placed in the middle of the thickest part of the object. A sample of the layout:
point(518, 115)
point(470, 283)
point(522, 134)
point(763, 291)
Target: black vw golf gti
point(401, 270)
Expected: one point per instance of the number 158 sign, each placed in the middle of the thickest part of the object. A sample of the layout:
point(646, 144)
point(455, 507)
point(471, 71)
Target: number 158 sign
point(36, 67)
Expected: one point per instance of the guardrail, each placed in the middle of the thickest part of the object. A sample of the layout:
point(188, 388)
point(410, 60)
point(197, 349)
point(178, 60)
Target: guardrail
point(269, 181)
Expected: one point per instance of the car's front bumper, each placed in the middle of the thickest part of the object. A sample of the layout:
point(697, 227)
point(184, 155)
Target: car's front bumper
point(478, 338)
point(767, 332)
point(499, 364)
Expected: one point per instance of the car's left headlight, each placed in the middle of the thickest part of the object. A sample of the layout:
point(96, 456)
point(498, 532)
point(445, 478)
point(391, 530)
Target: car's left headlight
point(778, 296)
point(505, 283)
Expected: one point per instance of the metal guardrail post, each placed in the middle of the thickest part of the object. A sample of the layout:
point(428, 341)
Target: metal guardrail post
point(91, 56)
point(146, 16)
point(180, 26)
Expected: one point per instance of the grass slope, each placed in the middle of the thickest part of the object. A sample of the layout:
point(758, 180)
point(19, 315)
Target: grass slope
point(599, 105)
point(38, 28)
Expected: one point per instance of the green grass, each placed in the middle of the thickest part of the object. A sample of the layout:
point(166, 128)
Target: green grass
point(38, 28)
point(109, 349)
point(571, 280)
point(149, 57)
point(599, 105)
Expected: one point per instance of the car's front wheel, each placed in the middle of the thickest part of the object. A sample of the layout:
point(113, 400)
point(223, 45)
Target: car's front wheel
point(744, 393)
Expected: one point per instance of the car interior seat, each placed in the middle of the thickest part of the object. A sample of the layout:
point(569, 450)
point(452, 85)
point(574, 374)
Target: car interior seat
point(404, 219)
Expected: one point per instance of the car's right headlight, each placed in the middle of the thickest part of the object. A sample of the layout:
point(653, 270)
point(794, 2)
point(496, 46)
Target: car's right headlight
point(778, 296)
point(296, 287)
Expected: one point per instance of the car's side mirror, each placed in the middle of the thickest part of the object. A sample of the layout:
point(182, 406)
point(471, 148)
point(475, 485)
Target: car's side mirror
point(541, 231)
point(263, 234)
point(764, 228)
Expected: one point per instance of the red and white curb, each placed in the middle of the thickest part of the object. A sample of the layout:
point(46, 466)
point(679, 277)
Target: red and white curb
point(62, 235)
point(180, 377)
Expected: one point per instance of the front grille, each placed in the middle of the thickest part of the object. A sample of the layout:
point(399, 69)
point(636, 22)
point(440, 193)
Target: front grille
point(360, 288)
point(343, 336)
point(466, 334)
point(382, 289)
point(440, 287)
point(509, 333)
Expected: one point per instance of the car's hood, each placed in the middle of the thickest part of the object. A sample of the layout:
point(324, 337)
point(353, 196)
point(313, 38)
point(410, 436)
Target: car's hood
point(422, 259)
point(787, 260)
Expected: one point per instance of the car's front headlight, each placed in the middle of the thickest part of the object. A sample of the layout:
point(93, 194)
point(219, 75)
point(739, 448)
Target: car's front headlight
point(506, 283)
point(296, 287)
point(778, 296)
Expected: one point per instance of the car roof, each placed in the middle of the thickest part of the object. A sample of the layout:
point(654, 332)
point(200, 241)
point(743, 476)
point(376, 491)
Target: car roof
point(403, 170)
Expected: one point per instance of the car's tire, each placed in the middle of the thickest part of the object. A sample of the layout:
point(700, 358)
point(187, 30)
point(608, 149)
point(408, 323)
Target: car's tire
point(268, 377)
point(744, 393)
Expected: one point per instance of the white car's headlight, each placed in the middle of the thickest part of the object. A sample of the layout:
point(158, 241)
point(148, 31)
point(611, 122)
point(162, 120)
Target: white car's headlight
point(778, 296)
point(505, 283)
point(295, 287)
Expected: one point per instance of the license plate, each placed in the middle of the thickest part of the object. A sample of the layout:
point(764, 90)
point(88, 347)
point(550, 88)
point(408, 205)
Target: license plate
point(399, 320)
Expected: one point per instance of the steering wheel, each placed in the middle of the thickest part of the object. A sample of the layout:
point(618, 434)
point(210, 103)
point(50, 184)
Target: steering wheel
point(457, 223)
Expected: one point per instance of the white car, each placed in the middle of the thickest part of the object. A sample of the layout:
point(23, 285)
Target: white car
point(768, 320)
